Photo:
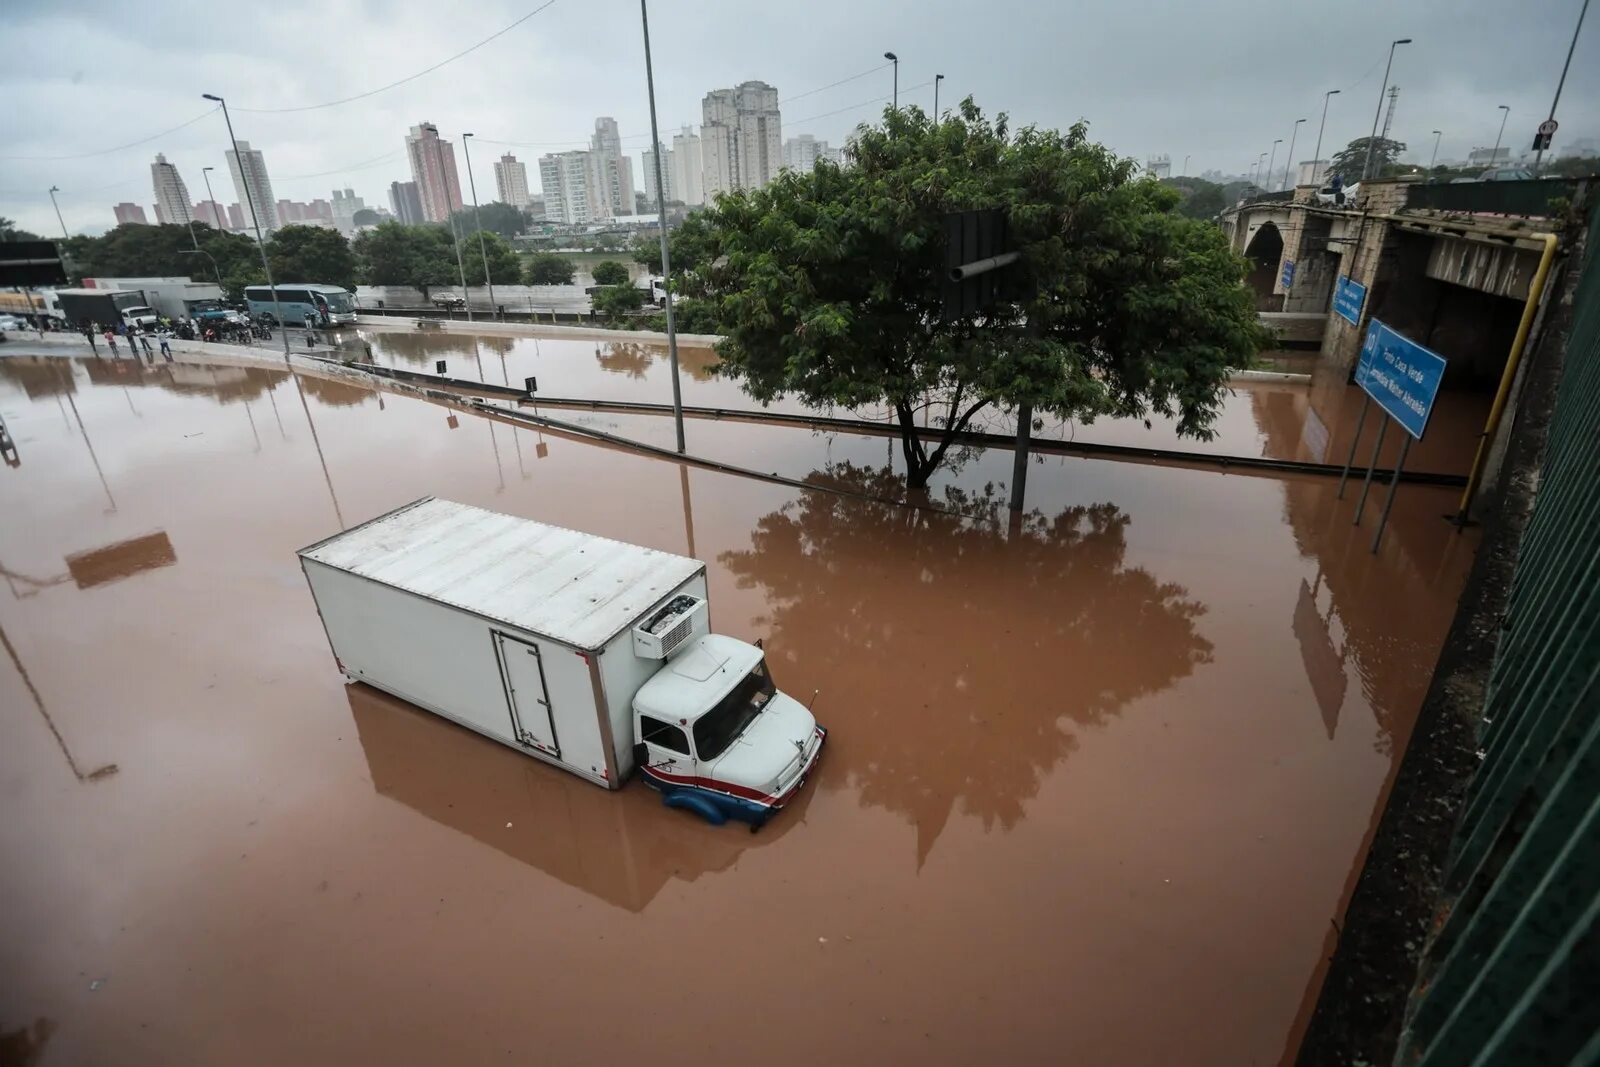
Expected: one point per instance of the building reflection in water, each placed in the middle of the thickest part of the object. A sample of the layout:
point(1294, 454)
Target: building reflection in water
point(960, 665)
point(622, 847)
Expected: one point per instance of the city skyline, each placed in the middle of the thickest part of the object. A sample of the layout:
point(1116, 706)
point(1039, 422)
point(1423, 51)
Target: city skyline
point(1455, 75)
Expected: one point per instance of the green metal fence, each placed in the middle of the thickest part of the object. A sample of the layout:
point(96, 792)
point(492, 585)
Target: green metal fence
point(1537, 197)
point(1513, 973)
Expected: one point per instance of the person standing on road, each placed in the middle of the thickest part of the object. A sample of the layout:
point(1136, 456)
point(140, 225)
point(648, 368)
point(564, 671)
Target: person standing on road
point(111, 340)
point(144, 342)
point(88, 335)
point(164, 335)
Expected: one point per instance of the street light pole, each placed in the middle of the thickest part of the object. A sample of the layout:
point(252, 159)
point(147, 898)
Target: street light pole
point(255, 221)
point(455, 237)
point(1538, 154)
point(1289, 162)
point(1494, 153)
point(937, 78)
point(1372, 142)
point(1185, 164)
point(483, 249)
point(216, 215)
point(1435, 157)
point(1316, 157)
point(661, 208)
point(1272, 164)
point(891, 57)
point(54, 189)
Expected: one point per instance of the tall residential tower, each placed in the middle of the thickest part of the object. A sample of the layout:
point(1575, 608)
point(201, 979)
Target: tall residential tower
point(172, 197)
point(249, 171)
point(433, 168)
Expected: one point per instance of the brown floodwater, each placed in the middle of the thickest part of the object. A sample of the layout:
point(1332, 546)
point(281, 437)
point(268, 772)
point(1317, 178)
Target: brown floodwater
point(1315, 422)
point(1097, 786)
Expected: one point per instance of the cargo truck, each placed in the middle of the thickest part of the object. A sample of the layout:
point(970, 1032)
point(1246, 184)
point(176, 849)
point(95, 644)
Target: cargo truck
point(105, 306)
point(589, 654)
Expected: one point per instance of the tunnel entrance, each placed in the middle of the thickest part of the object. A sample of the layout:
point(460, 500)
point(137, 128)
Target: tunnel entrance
point(1264, 251)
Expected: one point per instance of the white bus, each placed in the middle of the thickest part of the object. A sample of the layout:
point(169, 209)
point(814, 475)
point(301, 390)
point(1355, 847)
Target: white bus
point(323, 305)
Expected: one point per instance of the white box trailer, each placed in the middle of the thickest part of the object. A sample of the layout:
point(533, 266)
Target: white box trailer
point(587, 653)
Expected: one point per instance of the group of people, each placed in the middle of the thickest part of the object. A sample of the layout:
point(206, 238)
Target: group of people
point(134, 335)
point(138, 337)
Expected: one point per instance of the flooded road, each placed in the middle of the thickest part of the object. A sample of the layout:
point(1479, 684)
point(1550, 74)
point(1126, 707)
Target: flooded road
point(1095, 788)
point(1313, 423)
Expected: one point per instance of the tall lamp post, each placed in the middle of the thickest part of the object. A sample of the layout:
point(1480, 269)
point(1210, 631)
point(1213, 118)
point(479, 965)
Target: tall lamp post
point(891, 57)
point(1186, 164)
point(1316, 157)
point(661, 207)
point(455, 235)
point(1435, 157)
point(937, 78)
point(1272, 165)
point(1494, 153)
point(1261, 161)
point(1538, 154)
point(1289, 162)
point(1372, 142)
point(483, 249)
point(255, 221)
point(54, 189)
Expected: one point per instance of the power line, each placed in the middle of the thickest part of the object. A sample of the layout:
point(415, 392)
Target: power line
point(121, 147)
point(830, 85)
point(852, 107)
point(408, 78)
point(363, 165)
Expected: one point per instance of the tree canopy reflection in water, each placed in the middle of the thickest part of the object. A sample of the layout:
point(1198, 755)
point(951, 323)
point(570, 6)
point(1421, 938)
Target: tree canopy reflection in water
point(959, 662)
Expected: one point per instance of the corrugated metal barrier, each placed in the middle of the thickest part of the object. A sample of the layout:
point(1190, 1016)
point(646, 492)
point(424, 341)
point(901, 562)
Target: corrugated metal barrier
point(1513, 973)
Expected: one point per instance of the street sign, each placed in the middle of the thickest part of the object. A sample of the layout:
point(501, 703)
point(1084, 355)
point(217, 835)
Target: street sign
point(1348, 297)
point(1546, 133)
point(1401, 375)
point(1286, 276)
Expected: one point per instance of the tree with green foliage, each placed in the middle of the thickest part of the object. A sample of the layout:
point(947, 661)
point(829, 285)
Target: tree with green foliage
point(395, 254)
point(829, 284)
point(505, 268)
point(9, 231)
point(615, 301)
point(498, 217)
point(548, 268)
point(366, 217)
point(610, 272)
point(1350, 161)
point(311, 254)
point(135, 250)
point(1201, 199)
point(646, 251)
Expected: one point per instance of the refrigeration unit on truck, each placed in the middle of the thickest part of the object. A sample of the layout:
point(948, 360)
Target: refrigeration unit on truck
point(590, 654)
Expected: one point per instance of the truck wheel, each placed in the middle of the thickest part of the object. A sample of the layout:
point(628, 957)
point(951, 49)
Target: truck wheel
point(699, 805)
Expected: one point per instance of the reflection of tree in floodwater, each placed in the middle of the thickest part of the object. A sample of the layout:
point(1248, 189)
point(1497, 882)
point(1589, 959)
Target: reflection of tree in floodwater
point(958, 662)
point(39, 376)
point(334, 393)
point(423, 346)
point(222, 383)
point(633, 358)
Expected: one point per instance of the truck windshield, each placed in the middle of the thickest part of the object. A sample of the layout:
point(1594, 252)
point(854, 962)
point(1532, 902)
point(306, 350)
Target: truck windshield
point(716, 729)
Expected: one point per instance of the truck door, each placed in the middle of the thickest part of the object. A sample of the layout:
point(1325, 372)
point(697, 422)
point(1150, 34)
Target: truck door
point(666, 749)
point(523, 674)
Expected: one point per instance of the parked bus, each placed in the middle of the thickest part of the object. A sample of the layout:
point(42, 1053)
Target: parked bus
point(324, 305)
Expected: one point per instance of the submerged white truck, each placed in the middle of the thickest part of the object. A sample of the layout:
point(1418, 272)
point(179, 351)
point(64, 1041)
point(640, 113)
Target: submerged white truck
point(587, 653)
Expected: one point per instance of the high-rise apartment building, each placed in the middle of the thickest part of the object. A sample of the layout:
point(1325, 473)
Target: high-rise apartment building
point(236, 216)
point(249, 170)
point(565, 179)
point(611, 178)
point(433, 168)
point(685, 156)
point(667, 160)
point(801, 153)
point(127, 212)
point(172, 197)
point(511, 181)
point(345, 205)
point(405, 202)
point(741, 145)
point(212, 214)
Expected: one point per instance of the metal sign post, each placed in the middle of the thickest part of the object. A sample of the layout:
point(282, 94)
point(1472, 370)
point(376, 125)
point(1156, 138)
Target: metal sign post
point(1402, 378)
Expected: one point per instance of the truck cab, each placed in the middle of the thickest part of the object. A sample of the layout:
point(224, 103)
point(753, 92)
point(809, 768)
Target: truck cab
point(716, 736)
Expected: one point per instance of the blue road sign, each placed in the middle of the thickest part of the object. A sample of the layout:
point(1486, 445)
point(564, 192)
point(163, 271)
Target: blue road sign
point(1286, 276)
point(1401, 375)
point(1348, 296)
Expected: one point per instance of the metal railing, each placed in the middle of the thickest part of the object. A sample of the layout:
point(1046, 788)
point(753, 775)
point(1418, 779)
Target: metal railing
point(1512, 975)
point(1534, 198)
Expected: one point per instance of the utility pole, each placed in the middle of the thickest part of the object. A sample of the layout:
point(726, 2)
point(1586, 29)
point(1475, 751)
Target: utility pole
point(1538, 155)
point(661, 208)
point(1289, 162)
point(1372, 142)
point(255, 221)
point(478, 222)
point(1316, 157)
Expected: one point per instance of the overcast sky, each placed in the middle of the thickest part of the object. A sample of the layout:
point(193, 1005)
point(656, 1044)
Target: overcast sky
point(1215, 81)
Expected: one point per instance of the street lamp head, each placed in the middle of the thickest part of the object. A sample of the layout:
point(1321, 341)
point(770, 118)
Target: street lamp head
point(209, 96)
point(465, 136)
point(55, 188)
point(891, 57)
point(1505, 107)
point(1333, 92)
point(1298, 121)
point(938, 77)
point(1436, 131)
point(207, 168)
point(1403, 40)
